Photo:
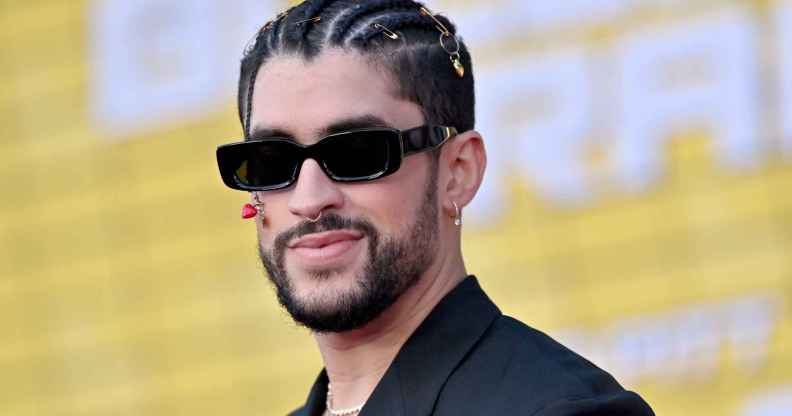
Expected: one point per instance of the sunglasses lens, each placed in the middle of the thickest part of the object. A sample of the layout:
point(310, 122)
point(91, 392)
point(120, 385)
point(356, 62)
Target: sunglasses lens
point(262, 165)
point(358, 155)
point(271, 164)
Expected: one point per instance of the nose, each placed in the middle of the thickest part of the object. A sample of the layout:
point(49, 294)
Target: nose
point(314, 192)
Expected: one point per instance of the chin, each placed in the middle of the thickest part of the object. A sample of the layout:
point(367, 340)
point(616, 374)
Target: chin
point(345, 287)
point(314, 284)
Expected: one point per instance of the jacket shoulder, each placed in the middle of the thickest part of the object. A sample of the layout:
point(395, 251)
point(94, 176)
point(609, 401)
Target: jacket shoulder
point(516, 369)
point(301, 411)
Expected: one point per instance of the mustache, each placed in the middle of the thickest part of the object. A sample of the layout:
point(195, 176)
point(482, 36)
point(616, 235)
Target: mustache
point(328, 222)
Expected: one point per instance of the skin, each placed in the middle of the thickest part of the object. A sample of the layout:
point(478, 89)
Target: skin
point(304, 98)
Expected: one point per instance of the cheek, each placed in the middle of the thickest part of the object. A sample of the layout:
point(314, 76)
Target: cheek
point(392, 203)
point(276, 218)
point(381, 205)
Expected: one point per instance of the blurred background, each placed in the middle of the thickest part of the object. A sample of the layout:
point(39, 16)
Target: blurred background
point(637, 205)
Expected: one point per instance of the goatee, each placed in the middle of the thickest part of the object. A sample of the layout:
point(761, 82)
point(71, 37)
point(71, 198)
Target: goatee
point(394, 265)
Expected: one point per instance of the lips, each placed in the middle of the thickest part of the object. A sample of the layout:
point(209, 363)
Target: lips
point(331, 249)
point(321, 240)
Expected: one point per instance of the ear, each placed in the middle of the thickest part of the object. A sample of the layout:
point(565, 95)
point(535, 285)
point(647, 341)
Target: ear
point(464, 160)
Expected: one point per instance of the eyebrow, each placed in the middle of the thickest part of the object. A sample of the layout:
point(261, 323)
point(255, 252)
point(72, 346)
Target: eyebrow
point(338, 126)
point(353, 123)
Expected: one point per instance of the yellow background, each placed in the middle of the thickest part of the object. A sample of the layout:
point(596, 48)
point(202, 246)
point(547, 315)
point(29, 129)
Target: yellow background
point(129, 286)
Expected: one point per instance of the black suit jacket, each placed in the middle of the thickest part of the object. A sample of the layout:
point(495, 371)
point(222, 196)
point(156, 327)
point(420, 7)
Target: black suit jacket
point(467, 358)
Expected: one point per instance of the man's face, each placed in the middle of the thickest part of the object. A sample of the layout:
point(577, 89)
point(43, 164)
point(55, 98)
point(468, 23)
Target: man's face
point(373, 239)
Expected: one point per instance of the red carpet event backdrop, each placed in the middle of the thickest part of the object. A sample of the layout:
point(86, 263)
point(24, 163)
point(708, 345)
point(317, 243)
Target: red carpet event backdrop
point(638, 203)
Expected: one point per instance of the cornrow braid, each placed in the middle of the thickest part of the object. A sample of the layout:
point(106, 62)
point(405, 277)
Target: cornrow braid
point(267, 40)
point(273, 39)
point(250, 66)
point(393, 21)
point(416, 62)
point(317, 10)
point(312, 9)
point(362, 9)
point(300, 22)
point(246, 84)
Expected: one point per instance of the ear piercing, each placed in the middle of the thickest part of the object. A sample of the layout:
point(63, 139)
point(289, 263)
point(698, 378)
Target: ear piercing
point(458, 214)
point(251, 210)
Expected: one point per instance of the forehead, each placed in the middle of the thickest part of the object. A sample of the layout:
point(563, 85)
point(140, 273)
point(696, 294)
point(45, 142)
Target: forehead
point(303, 98)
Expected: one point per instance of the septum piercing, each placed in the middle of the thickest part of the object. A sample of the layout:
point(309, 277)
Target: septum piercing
point(313, 220)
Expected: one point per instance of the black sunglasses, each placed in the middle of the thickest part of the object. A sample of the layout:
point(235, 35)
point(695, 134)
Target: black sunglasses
point(272, 163)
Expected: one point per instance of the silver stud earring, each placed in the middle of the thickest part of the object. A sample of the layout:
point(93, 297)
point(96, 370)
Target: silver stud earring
point(458, 216)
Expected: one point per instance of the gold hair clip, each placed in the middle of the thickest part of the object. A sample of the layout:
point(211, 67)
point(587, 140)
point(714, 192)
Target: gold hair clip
point(315, 19)
point(453, 52)
point(385, 31)
point(440, 26)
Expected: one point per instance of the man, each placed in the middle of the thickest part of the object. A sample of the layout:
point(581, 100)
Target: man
point(360, 155)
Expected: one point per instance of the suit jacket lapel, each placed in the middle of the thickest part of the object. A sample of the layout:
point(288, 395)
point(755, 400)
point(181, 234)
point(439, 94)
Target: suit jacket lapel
point(315, 404)
point(413, 382)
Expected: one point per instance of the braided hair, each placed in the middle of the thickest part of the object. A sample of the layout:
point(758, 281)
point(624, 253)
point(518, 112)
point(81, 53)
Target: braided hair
point(418, 64)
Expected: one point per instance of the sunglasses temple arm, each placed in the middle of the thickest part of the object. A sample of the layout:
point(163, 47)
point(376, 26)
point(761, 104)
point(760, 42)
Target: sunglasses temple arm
point(424, 138)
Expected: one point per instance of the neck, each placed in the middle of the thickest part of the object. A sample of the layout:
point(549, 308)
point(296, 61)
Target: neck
point(356, 360)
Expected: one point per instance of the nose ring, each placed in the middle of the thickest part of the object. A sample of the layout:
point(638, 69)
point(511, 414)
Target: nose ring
point(315, 219)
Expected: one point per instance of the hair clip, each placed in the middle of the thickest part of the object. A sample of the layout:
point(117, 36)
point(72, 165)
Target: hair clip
point(315, 19)
point(440, 26)
point(385, 31)
point(452, 51)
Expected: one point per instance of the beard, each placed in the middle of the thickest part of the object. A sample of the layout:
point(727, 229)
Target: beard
point(393, 266)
